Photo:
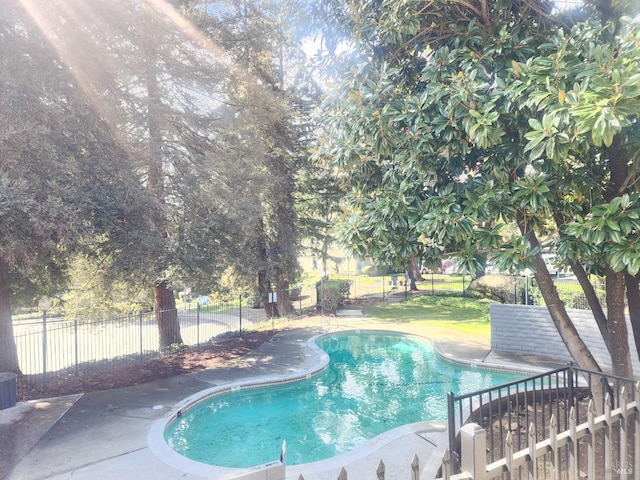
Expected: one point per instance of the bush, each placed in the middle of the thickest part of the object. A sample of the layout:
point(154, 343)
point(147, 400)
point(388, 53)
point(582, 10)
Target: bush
point(368, 270)
point(496, 287)
point(332, 293)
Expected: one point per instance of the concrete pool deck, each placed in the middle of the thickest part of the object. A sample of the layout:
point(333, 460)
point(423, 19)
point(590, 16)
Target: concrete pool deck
point(105, 435)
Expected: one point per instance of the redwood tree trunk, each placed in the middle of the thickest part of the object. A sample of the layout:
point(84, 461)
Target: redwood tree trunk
point(264, 285)
point(284, 305)
point(8, 351)
point(166, 315)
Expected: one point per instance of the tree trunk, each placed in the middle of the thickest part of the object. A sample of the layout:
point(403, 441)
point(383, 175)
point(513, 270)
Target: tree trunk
point(8, 351)
point(264, 285)
point(283, 304)
point(419, 276)
point(266, 295)
point(285, 307)
point(166, 315)
point(563, 323)
point(633, 299)
point(615, 281)
point(414, 274)
point(594, 303)
point(617, 324)
point(567, 330)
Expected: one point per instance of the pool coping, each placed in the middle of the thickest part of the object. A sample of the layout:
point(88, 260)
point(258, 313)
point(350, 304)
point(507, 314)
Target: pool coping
point(160, 448)
point(163, 452)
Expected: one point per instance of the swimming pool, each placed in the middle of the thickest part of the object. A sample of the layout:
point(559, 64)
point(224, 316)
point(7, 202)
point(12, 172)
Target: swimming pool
point(374, 383)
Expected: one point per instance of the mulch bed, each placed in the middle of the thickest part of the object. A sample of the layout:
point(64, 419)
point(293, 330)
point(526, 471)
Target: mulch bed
point(120, 373)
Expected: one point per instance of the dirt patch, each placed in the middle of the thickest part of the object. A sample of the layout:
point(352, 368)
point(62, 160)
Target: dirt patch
point(128, 372)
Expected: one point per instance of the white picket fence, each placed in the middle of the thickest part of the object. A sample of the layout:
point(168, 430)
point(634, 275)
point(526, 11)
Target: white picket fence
point(614, 460)
point(381, 471)
point(615, 456)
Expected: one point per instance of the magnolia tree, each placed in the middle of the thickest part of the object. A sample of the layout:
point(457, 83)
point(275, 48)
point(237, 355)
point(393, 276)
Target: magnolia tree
point(493, 129)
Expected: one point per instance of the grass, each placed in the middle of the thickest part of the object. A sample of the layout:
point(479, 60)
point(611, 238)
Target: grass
point(463, 314)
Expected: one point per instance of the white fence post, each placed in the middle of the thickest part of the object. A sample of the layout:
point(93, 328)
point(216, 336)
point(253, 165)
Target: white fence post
point(415, 468)
point(446, 464)
point(533, 462)
point(573, 452)
point(591, 449)
point(474, 450)
point(623, 467)
point(608, 444)
point(636, 449)
point(553, 444)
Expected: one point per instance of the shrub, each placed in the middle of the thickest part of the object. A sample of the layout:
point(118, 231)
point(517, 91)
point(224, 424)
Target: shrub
point(368, 270)
point(496, 287)
point(332, 293)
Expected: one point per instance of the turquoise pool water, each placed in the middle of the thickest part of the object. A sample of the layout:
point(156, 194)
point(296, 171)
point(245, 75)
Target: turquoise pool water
point(375, 382)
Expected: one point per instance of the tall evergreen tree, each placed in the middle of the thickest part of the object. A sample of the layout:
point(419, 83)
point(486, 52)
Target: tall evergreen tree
point(170, 100)
point(65, 183)
point(258, 36)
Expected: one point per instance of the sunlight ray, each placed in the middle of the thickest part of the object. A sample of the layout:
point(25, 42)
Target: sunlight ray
point(70, 35)
point(69, 52)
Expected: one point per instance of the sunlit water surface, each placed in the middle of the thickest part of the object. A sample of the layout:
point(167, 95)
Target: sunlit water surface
point(375, 382)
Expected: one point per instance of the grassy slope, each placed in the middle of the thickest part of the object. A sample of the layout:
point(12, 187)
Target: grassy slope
point(467, 315)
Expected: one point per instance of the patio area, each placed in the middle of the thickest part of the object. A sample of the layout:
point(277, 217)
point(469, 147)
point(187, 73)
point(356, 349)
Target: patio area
point(105, 434)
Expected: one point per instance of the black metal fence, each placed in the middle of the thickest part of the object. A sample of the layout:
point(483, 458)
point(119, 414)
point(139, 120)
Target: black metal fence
point(522, 290)
point(513, 407)
point(56, 348)
point(52, 349)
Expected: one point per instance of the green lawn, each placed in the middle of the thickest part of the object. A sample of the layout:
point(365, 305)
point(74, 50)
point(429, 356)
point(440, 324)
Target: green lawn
point(468, 315)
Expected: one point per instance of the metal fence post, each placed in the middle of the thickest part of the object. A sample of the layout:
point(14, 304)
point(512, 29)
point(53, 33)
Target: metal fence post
point(240, 312)
point(198, 324)
point(571, 391)
point(141, 346)
point(75, 337)
point(44, 349)
point(451, 417)
point(355, 288)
